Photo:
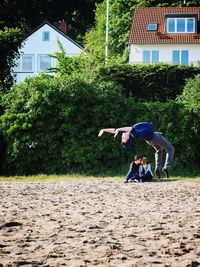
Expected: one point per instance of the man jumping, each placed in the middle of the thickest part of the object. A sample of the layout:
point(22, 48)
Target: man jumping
point(145, 131)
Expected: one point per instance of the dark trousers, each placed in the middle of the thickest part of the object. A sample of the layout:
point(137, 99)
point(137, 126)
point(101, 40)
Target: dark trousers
point(147, 177)
point(131, 175)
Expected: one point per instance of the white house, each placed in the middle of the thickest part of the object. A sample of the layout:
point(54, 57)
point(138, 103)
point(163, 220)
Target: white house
point(169, 35)
point(39, 45)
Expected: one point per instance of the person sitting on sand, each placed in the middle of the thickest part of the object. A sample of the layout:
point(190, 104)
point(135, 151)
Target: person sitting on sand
point(134, 169)
point(145, 173)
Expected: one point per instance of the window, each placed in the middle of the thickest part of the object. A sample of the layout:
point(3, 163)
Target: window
point(152, 27)
point(180, 57)
point(191, 25)
point(184, 57)
point(25, 64)
point(45, 36)
point(176, 57)
point(44, 62)
point(170, 25)
point(150, 56)
point(146, 56)
point(181, 25)
point(155, 56)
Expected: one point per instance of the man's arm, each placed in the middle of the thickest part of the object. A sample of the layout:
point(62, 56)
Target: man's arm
point(123, 129)
point(108, 130)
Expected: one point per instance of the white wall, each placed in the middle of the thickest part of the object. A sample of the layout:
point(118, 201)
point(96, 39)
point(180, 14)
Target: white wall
point(165, 52)
point(34, 45)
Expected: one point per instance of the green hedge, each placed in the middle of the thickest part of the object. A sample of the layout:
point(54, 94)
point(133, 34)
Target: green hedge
point(149, 82)
point(51, 125)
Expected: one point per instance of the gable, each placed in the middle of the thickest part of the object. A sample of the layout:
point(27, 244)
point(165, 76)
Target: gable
point(143, 17)
point(35, 42)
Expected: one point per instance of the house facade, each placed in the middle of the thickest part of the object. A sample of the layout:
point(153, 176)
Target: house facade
point(37, 48)
point(169, 35)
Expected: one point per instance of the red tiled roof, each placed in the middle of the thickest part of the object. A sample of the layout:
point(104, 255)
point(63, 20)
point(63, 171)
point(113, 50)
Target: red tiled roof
point(143, 16)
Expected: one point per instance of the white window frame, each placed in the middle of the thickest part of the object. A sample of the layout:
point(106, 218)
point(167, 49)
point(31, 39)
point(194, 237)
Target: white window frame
point(151, 56)
point(38, 61)
point(18, 68)
point(43, 36)
point(180, 57)
point(186, 29)
point(152, 27)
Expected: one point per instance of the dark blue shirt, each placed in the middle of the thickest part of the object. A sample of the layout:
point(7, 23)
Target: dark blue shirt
point(143, 130)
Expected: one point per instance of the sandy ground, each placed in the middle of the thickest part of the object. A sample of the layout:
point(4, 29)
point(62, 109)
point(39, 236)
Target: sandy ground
point(100, 222)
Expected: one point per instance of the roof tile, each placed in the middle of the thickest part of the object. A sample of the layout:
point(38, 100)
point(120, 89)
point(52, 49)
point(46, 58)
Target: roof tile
point(143, 16)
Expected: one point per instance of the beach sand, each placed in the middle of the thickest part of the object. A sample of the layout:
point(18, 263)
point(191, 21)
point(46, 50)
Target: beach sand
point(99, 222)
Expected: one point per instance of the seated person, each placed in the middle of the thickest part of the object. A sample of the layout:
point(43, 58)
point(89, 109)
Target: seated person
point(145, 173)
point(134, 169)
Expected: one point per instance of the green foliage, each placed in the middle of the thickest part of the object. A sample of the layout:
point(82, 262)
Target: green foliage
point(95, 39)
point(191, 95)
point(190, 111)
point(79, 66)
point(149, 82)
point(79, 15)
point(51, 125)
point(120, 17)
point(10, 42)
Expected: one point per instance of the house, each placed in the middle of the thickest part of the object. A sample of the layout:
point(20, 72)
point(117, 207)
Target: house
point(165, 34)
point(39, 45)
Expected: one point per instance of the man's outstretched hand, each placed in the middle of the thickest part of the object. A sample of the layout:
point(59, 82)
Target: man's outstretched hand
point(116, 132)
point(100, 133)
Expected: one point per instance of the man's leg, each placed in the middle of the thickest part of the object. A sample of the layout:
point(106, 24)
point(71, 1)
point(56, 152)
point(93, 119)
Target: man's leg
point(162, 142)
point(169, 156)
point(158, 158)
point(128, 176)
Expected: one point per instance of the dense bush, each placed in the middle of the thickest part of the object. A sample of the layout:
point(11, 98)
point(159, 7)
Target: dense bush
point(149, 82)
point(50, 125)
point(190, 111)
point(191, 95)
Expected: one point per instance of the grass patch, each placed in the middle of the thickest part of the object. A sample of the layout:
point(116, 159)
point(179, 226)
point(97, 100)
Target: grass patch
point(77, 177)
point(43, 178)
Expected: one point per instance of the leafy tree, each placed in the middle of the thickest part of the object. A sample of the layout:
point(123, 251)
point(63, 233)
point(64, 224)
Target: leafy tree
point(79, 14)
point(95, 39)
point(10, 42)
point(68, 65)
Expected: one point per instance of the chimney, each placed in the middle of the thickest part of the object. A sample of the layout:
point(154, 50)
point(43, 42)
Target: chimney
point(61, 25)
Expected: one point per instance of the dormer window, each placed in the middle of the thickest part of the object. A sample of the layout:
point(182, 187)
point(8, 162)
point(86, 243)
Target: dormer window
point(181, 25)
point(152, 27)
point(45, 36)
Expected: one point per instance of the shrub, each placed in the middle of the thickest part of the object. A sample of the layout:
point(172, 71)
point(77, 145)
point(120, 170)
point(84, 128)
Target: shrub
point(149, 82)
point(190, 97)
point(50, 125)
point(190, 117)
